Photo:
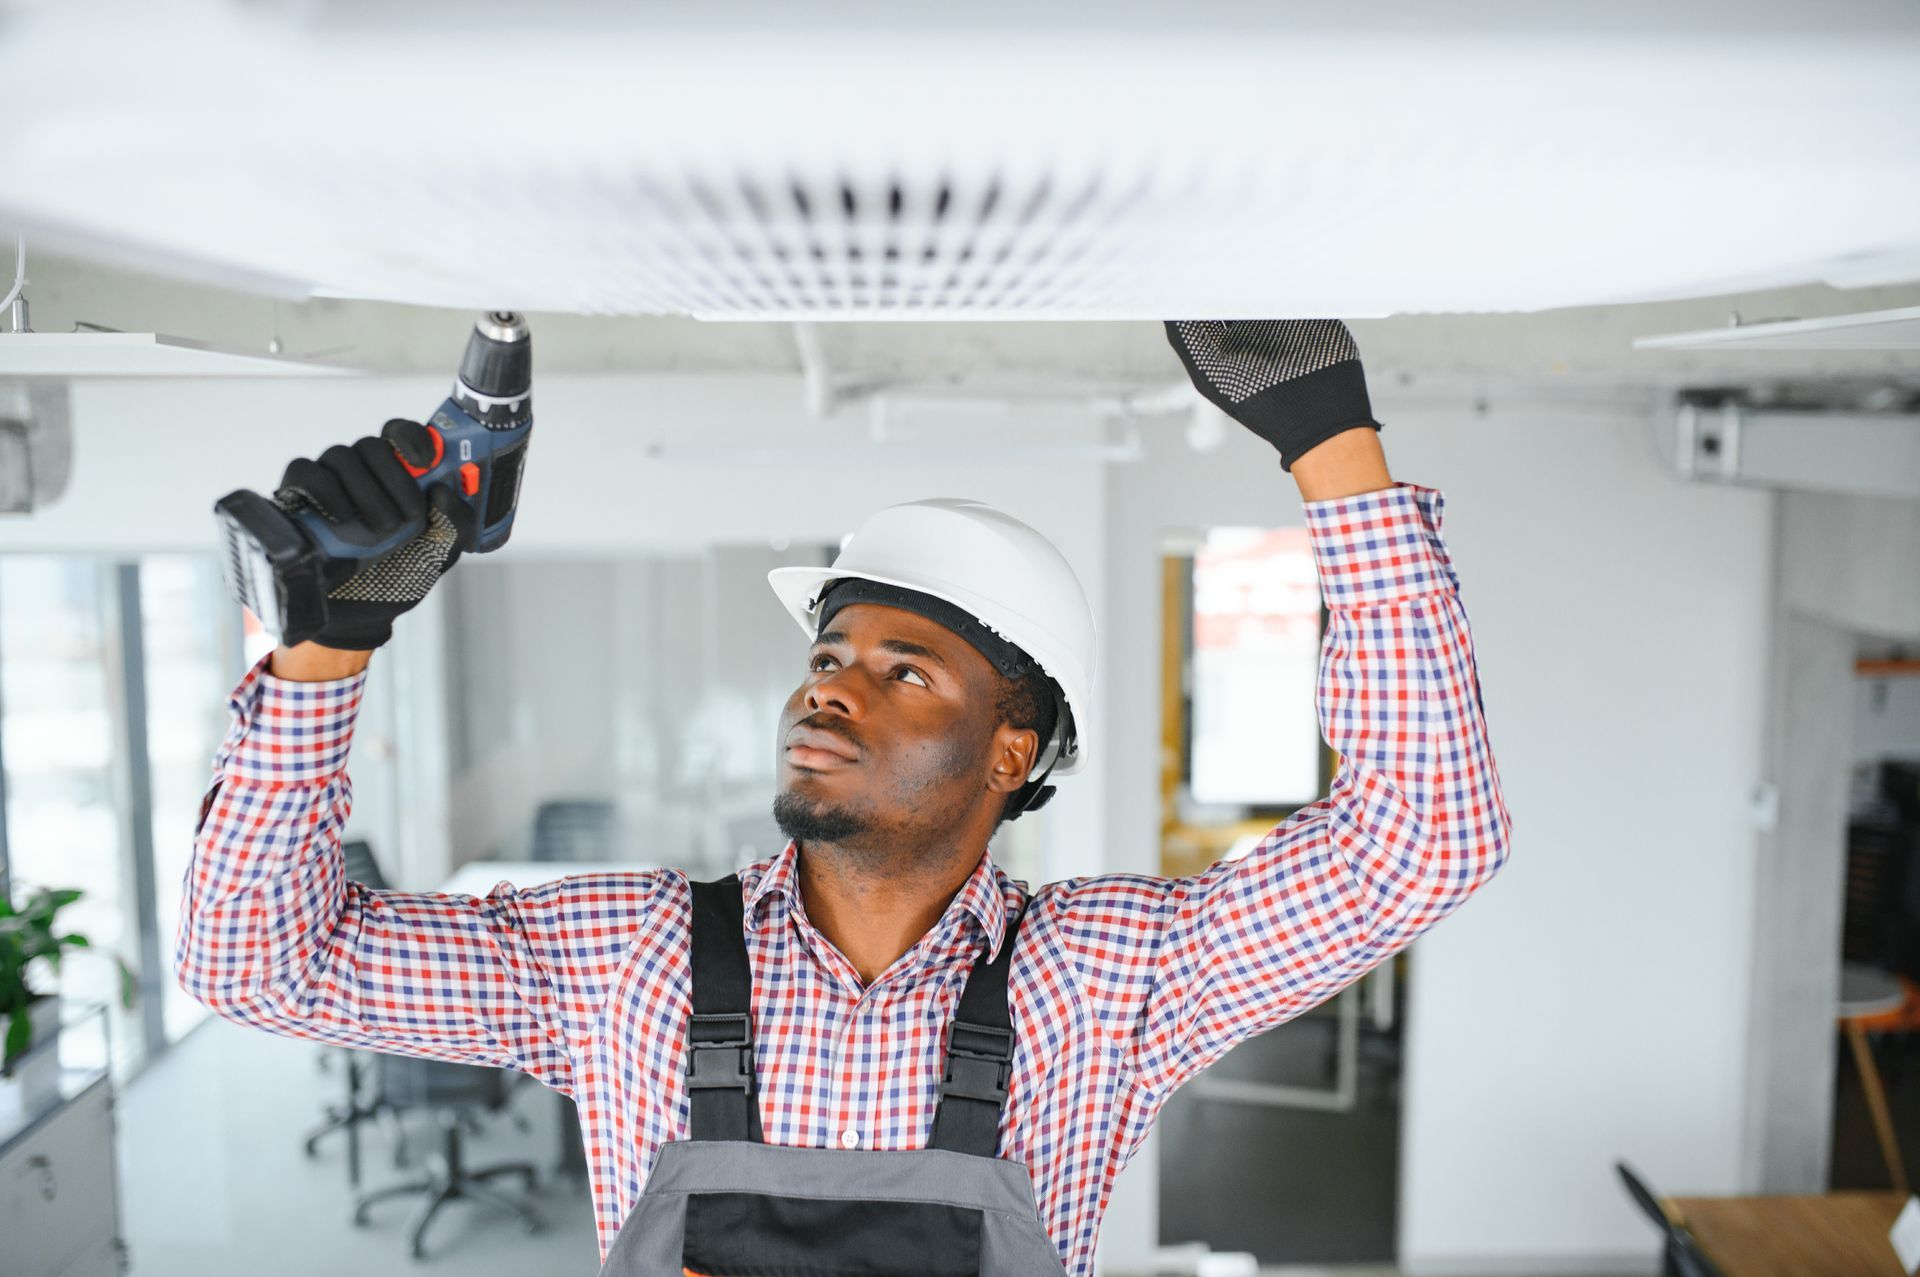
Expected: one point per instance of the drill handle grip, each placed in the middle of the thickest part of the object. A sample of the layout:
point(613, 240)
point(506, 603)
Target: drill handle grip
point(481, 465)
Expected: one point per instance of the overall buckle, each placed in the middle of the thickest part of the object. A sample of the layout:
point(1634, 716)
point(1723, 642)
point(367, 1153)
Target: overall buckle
point(719, 1052)
point(979, 1063)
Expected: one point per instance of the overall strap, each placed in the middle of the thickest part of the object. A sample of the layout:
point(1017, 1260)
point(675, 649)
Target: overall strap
point(720, 1029)
point(979, 1057)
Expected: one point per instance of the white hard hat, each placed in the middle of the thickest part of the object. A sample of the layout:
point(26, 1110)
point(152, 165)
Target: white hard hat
point(992, 567)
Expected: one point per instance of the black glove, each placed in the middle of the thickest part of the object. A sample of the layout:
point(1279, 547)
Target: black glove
point(1293, 382)
point(367, 495)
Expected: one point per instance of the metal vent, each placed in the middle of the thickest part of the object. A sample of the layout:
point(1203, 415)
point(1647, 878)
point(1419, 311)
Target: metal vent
point(805, 245)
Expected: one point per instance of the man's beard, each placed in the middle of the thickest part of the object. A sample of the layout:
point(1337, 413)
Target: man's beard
point(805, 820)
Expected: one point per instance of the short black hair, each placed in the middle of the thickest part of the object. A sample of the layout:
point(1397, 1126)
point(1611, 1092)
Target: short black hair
point(1027, 701)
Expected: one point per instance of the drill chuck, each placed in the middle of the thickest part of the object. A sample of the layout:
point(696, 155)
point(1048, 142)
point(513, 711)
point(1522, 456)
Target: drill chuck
point(496, 373)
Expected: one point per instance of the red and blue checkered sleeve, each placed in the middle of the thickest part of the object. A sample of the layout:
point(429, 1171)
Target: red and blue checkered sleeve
point(273, 933)
point(1184, 968)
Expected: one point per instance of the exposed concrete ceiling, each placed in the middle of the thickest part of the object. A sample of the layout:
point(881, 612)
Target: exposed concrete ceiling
point(1581, 347)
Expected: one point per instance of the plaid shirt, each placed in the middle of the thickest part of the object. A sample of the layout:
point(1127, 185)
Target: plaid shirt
point(1123, 985)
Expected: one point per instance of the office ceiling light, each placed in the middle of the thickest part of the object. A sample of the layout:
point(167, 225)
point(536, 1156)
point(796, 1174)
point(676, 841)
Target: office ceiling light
point(1073, 161)
point(104, 352)
point(1869, 330)
point(101, 354)
point(1120, 451)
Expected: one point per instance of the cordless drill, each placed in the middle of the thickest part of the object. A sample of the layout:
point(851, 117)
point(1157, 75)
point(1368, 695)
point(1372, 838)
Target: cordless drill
point(275, 556)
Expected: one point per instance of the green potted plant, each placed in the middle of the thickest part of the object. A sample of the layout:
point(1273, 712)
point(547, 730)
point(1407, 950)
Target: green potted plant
point(29, 1015)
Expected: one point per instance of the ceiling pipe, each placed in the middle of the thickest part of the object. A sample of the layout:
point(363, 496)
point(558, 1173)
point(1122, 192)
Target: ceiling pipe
point(816, 377)
point(7, 303)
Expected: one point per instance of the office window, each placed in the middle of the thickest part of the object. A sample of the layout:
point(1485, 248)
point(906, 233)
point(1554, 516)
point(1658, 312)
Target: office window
point(1256, 644)
point(75, 701)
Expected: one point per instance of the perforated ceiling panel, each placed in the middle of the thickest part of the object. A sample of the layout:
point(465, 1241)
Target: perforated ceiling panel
point(771, 242)
point(1114, 163)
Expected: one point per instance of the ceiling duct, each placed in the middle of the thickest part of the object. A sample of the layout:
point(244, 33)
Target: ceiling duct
point(36, 444)
point(1864, 441)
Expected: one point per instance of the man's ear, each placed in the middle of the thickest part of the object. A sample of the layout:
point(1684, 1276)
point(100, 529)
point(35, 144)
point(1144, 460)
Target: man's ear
point(1014, 750)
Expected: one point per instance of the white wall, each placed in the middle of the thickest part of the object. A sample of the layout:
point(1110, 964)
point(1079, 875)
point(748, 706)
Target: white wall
point(1590, 1004)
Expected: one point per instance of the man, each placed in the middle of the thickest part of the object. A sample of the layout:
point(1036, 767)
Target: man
point(875, 1051)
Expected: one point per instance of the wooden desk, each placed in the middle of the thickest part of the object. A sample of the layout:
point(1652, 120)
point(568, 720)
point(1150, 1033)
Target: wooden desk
point(1828, 1235)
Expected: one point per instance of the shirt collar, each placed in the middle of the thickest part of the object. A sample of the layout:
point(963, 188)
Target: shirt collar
point(980, 897)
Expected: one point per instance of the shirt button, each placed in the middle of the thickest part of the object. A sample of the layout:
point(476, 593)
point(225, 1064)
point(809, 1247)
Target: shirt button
point(849, 1138)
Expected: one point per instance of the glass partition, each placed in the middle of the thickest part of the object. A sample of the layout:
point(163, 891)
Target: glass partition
point(192, 658)
point(626, 708)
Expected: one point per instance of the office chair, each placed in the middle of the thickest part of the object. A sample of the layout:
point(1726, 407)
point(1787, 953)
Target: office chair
point(454, 1094)
point(575, 829)
point(1683, 1257)
point(359, 1104)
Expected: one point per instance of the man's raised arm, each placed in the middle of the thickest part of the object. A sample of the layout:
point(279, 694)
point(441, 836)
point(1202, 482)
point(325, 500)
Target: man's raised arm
point(274, 934)
point(1414, 822)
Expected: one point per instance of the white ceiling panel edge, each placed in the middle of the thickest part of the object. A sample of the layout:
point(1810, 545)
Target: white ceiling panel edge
point(1223, 160)
point(1869, 330)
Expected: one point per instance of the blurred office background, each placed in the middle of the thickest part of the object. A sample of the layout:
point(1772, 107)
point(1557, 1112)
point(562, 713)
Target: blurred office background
point(1693, 717)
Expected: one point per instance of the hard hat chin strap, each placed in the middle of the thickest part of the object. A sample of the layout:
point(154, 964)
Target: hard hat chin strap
point(1035, 796)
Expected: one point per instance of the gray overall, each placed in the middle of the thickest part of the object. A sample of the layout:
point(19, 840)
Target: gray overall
point(723, 1204)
